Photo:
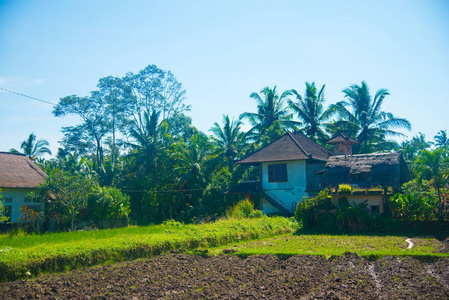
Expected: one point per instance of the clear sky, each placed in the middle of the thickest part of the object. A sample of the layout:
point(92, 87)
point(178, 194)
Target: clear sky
point(222, 51)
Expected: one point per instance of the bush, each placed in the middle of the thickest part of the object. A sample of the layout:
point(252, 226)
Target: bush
point(313, 211)
point(106, 203)
point(344, 188)
point(419, 202)
point(242, 210)
point(320, 214)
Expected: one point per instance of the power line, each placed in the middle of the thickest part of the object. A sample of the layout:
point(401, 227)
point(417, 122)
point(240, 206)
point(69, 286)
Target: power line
point(166, 191)
point(26, 96)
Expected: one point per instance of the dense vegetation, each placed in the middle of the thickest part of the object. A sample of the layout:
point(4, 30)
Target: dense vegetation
point(135, 154)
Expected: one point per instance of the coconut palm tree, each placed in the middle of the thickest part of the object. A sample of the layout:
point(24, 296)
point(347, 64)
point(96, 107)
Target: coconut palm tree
point(270, 108)
point(33, 148)
point(363, 111)
point(441, 139)
point(145, 133)
point(228, 139)
point(411, 148)
point(192, 161)
point(311, 111)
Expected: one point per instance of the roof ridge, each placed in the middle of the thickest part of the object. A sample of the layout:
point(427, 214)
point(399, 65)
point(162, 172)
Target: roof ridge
point(297, 144)
point(370, 154)
point(11, 153)
point(259, 150)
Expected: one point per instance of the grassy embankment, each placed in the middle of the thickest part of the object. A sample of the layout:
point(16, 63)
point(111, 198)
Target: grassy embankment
point(24, 255)
point(335, 245)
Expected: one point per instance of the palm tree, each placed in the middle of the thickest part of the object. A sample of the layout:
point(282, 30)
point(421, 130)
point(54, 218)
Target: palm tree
point(270, 108)
point(145, 133)
point(229, 139)
point(192, 161)
point(311, 111)
point(411, 148)
point(374, 125)
point(441, 139)
point(433, 166)
point(33, 148)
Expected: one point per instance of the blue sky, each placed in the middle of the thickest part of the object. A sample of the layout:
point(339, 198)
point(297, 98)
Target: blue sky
point(222, 51)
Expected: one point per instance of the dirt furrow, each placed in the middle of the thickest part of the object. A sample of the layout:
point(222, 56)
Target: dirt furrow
point(184, 276)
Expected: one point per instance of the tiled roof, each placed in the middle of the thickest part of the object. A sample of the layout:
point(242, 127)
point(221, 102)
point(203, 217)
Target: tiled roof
point(18, 171)
point(342, 138)
point(291, 146)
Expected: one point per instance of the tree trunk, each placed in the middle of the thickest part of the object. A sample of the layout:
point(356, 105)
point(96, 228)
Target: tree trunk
point(72, 221)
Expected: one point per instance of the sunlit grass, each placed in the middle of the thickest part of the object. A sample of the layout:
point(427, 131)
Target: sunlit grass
point(61, 251)
point(328, 245)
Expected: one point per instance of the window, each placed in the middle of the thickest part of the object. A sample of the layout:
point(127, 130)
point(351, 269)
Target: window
point(277, 173)
point(374, 209)
point(7, 200)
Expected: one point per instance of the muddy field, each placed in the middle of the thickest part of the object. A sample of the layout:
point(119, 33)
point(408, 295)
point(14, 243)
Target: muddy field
point(181, 276)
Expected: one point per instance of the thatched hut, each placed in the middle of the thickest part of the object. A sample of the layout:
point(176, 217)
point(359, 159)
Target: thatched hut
point(373, 177)
point(366, 170)
point(18, 176)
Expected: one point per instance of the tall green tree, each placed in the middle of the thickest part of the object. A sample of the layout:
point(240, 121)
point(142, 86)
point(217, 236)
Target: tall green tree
point(158, 90)
point(271, 107)
point(363, 111)
point(119, 104)
point(33, 148)
point(228, 139)
point(433, 166)
point(311, 112)
point(91, 132)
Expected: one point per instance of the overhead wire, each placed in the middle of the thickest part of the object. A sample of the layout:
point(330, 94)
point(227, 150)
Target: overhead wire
point(132, 191)
point(26, 96)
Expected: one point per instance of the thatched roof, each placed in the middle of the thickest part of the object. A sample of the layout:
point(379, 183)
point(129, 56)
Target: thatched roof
point(384, 169)
point(18, 171)
point(289, 147)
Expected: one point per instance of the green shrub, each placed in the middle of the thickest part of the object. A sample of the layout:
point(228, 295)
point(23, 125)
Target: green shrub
point(242, 210)
point(312, 211)
point(344, 188)
point(418, 202)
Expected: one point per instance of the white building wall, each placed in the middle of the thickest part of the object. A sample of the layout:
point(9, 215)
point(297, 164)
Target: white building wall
point(16, 199)
point(290, 192)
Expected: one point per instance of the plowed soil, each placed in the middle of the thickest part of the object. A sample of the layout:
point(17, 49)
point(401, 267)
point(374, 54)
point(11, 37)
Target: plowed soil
point(181, 276)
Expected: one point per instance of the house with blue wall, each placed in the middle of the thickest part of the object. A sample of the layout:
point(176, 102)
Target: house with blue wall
point(288, 172)
point(18, 176)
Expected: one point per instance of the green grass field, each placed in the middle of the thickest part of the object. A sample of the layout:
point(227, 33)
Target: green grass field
point(329, 245)
point(25, 255)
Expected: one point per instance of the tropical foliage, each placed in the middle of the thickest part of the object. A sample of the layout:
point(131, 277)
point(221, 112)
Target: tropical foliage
point(366, 121)
point(310, 111)
point(135, 153)
point(3, 218)
point(419, 201)
point(33, 148)
point(270, 108)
